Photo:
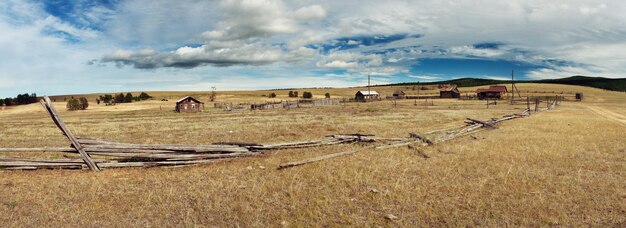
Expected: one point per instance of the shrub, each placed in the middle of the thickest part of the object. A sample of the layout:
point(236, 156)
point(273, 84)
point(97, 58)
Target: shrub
point(144, 96)
point(83, 103)
point(307, 95)
point(128, 98)
point(290, 93)
point(295, 93)
point(119, 98)
point(73, 105)
point(327, 95)
point(272, 95)
point(77, 104)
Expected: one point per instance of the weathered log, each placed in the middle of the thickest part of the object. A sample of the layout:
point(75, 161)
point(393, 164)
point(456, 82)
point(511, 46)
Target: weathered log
point(47, 104)
point(420, 137)
point(420, 151)
point(320, 158)
point(393, 145)
point(44, 149)
point(171, 156)
point(237, 144)
point(486, 124)
point(159, 163)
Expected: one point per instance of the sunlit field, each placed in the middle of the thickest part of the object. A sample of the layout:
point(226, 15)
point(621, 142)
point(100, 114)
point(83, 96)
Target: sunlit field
point(566, 166)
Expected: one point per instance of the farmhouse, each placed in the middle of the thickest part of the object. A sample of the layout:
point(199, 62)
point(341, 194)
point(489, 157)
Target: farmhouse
point(189, 104)
point(366, 95)
point(493, 92)
point(449, 92)
point(399, 94)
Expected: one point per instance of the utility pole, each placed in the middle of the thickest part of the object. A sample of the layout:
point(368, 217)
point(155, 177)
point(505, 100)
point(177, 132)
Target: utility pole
point(512, 85)
point(369, 92)
point(418, 89)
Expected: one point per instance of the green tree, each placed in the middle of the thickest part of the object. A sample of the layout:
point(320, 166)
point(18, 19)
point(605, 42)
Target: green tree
point(107, 98)
point(144, 96)
point(119, 98)
point(73, 105)
point(83, 103)
point(128, 98)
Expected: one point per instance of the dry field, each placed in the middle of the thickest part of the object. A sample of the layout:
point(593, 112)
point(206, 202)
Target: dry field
point(563, 167)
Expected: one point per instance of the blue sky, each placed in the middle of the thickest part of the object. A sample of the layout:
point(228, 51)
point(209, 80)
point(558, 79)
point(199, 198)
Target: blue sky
point(79, 46)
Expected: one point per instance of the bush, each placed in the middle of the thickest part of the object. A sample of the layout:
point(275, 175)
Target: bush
point(73, 105)
point(128, 98)
point(77, 104)
point(295, 94)
point(119, 98)
point(83, 103)
point(290, 93)
point(327, 95)
point(307, 95)
point(272, 95)
point(144, 96)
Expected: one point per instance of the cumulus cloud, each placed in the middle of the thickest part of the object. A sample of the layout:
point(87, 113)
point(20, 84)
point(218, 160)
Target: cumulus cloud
point(237, 39)
point(348, 38)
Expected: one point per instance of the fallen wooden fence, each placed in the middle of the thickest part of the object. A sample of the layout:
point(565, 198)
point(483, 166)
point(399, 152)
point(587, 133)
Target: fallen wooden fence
point(116, 154)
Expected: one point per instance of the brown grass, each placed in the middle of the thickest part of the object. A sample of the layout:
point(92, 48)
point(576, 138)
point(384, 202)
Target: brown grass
point(563, 167)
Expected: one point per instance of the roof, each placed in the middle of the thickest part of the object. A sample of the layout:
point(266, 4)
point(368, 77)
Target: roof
point(497, 89)
point(450, 88)
point(188, 97)
point(400, 92)
point(366, 93)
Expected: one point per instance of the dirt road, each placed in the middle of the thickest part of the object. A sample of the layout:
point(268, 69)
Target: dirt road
point(608, 114)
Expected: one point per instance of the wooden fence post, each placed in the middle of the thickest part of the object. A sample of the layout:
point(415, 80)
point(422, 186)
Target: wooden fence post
point(47, 104)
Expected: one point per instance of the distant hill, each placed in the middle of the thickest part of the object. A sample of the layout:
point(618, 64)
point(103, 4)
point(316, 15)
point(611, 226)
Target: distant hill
point(618, 84)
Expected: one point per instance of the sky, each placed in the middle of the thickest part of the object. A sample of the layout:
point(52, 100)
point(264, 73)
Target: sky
point(53, 47)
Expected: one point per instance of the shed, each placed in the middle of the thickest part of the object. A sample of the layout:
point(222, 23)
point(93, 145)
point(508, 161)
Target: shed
point(399, 94)
point(366, 95)
point(189, 104)
point(449, 92)
point(493, 92)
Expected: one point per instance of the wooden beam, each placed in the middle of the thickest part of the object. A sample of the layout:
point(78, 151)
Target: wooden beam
point(47, 104)
point(483, 123)
point(320, 158)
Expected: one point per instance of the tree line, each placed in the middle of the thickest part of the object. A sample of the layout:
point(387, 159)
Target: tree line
point(121, 98)
point(21, 99)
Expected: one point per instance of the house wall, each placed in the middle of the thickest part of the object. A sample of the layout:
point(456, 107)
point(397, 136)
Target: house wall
point(449, 94)
point(189, 106)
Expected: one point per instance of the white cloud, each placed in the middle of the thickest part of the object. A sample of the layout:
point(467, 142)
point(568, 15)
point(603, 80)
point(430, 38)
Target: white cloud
point(582, 37)
point(425, 77)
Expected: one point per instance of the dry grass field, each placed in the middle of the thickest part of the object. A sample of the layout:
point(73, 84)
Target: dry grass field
point(565, 167)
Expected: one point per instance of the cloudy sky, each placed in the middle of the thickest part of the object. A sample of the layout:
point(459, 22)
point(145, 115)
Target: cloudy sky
point(80, 46)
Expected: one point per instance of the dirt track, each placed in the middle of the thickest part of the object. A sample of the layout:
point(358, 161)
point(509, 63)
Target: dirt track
point(608, 114)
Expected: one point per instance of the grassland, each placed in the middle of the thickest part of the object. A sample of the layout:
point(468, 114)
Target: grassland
point(563, 167)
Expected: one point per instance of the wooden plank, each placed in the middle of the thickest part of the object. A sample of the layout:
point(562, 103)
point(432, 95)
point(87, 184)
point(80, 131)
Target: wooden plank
point(47, 104)
point(420, 151)
point(483, 123)
point(421, 137)
point(320, 158)
point(44, 149)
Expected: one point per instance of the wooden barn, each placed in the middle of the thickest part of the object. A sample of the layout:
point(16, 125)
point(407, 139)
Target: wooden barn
point(366, 95)
point(449, 92)
point(399, 94)
point(493, 92)
point(189, 104)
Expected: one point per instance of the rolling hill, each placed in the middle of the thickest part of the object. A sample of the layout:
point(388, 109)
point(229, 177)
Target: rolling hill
point(618, 84)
